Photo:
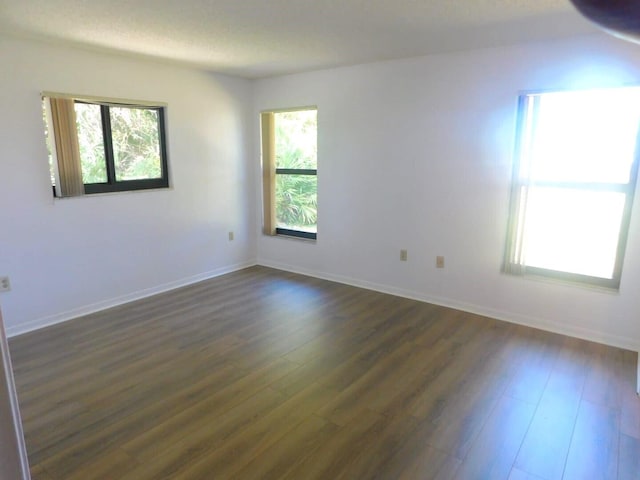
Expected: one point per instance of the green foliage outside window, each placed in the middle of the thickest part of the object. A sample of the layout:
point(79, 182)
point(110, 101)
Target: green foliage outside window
point(296, 148)
point(136, 146)
point(120, 145)
point(134, 137)
point(91, 143)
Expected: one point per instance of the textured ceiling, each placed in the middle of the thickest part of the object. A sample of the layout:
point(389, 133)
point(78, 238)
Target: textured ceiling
point(259, 38)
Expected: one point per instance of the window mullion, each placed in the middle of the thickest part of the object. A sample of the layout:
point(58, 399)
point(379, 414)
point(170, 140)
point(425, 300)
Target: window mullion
point(108, 145)
point(296, 171)
point(590, 186)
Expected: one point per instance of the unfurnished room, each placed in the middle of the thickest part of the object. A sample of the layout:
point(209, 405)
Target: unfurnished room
point(319, 240)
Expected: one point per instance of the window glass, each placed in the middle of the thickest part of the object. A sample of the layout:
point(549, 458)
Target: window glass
point(575, 131)
point(91, 143)
point(290, 161)
point(296, 139)
point(135, 140)
point(574, 182)
point(573, 231)
point(296, 202)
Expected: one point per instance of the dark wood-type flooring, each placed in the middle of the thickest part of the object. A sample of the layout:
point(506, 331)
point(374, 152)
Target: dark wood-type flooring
point(263, 374)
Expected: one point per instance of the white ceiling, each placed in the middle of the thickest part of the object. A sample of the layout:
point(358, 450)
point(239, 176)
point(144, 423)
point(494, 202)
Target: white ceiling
point(259, 38)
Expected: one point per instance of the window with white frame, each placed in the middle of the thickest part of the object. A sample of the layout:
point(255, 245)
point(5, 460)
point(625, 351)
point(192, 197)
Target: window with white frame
point(573, 184)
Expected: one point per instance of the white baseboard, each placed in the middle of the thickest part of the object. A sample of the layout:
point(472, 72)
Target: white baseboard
point(511, 317)
point(542, 324)
point(638, 384)
point(113, 302)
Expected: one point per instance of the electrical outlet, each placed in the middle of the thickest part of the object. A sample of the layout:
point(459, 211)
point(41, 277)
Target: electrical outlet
point(5, 285)
point(403, 255)
point(439, 262)
point(231, 236)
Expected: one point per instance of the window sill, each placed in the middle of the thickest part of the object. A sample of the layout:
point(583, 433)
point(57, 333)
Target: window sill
point(109, 194)
point(292, 237)
point(564, 282)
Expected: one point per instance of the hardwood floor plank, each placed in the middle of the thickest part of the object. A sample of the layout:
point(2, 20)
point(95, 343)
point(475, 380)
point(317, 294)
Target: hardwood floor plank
point(268, 374)
point(462, 420)
point(170, 460)
point(306, 374)
point(630, 415)
point(603, 386)
point(414, 458)
point(422, 362)
point(254, 439)
point(520, 475)
point(112, 464)
point(497, 445)
point(338, 453)
point(161, 436)
point(128, 413)
point(378, 448)
point(370, 384)
point(473, 367)
point(432, 379)
point(461, 409)
point(594, 447)
point(532, 357)
point(282, 457)
point(38, 473)
point(630, 408)
point(629, 458)
point(544, 450)
point(441, 323)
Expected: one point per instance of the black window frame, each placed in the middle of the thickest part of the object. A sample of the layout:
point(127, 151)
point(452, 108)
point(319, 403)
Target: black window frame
point(112, 184)
point(287, 231)
point(271, 172)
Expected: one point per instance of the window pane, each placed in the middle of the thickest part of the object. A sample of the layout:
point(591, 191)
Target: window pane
point(91, 142)
point(296, 139)
point(296, 202)
point(574, 132)
point(573, 231)
point(48, 137)
point(136, 143)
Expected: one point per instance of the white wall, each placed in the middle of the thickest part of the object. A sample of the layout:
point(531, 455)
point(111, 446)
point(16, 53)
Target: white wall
point(66, 257)
point(417, 154)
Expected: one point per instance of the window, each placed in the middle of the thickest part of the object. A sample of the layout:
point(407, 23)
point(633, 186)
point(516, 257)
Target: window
point(573, 186)
point(290, 182)
point(98, 146)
